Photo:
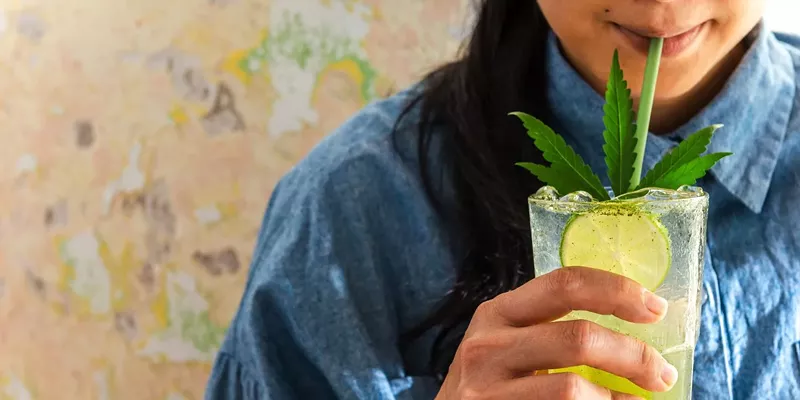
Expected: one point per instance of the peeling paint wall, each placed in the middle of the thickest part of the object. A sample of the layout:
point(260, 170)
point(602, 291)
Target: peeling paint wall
point(141, 141)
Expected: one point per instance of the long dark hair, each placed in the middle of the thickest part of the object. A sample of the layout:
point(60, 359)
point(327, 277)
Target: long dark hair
point(501, 68)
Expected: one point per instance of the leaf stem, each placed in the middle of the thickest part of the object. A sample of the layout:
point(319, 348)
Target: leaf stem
point(646, 108)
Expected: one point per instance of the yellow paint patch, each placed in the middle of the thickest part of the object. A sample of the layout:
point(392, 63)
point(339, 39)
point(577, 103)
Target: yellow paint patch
point(350, 5)
point(227, 210)
point(236, 190)
point(178, 115)
point(348, 67)
point(232, 64)
point(377, 14)
point(160, 306)
point(123, 271)
point(66, 272)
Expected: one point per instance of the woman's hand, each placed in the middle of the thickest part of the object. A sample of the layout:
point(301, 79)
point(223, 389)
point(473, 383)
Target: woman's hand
point(513, 335)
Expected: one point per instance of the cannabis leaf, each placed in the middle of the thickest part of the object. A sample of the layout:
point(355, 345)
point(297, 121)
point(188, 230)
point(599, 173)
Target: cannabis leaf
point(567, 171)
point(620, 138)
point(689, 173)
point(684, 162)
point(625, 143)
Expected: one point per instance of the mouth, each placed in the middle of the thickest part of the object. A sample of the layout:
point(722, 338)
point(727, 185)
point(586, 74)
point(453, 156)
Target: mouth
point(676, 42)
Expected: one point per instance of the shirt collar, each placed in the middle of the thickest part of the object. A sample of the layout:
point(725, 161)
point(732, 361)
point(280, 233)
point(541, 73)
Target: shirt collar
point(755, 105)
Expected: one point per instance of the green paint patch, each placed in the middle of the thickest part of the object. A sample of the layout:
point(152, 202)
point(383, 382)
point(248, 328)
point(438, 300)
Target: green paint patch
point(189, 334)
point(198, 329)
point(311, 49)
point(369, 77)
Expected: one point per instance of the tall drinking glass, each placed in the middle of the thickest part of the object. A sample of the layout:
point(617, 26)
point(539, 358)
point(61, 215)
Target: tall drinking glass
point(655, 237)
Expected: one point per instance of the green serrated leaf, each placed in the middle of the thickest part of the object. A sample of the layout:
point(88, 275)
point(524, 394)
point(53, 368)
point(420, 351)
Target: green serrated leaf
point(689, 150)
point(619, 135)
point(690, 172)
point(567, 172)
point(559, 178)
point(532, 124)
point(542, 172)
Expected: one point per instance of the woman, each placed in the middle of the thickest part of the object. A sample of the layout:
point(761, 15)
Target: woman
point(394, 262)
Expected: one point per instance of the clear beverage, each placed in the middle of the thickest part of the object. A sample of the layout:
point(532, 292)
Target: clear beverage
point(655, 237)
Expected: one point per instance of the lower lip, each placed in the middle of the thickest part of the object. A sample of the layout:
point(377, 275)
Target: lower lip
point(673, 46)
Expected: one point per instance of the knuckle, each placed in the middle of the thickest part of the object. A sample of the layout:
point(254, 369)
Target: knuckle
point(623, 285)
point(582, 337)
point(650, 359)
point(476, 350)
point(566, 281)
point(486, 308)
point(570, 387)
point(484, 312)
point(469, 393)
point(621, 288)
point(498, 302)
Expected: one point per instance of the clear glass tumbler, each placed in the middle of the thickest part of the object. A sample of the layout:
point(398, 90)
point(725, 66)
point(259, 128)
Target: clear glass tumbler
point(655, 237)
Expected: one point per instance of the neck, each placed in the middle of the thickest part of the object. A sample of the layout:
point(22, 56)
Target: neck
point(670, 114)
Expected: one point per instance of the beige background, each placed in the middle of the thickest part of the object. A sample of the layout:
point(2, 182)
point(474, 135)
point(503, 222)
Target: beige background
point(140, 142)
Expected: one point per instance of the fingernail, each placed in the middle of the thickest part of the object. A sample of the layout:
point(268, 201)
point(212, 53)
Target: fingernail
point(669, 375)
point(656, 304)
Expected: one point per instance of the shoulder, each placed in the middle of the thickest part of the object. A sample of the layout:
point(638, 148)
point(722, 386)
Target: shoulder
point(791, 41)
point(369, 139)
point(362, 180)
point(367, 152)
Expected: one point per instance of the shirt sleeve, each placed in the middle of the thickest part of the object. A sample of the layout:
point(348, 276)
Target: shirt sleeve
point(229, 380)
point(317, 319)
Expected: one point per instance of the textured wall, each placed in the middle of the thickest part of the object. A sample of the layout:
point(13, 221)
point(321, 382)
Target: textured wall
point(140, 142)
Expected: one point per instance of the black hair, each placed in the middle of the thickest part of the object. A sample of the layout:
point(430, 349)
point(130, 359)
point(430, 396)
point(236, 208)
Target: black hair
point(501, 68)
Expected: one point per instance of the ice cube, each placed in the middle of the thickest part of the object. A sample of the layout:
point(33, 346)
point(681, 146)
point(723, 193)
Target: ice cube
point(659, 195)
point(577, 197)
point(547, 193)
point(691, 189)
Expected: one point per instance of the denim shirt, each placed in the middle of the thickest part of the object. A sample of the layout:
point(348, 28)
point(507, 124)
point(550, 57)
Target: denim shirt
point(351, 253)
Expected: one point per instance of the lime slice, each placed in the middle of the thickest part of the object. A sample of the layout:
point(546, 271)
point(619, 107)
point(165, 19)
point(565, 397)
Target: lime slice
point(626, 242)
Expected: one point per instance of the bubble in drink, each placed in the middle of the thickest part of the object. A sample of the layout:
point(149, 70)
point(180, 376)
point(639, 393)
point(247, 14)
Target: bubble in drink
point(691, 189)
point(547, 193)
point(658, 195)
point(577, 197)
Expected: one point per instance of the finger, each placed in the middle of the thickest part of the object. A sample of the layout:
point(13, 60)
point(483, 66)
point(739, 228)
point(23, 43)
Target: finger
point(555, 386)
point(554, 295)
point(515, 352)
